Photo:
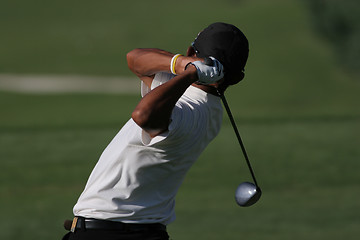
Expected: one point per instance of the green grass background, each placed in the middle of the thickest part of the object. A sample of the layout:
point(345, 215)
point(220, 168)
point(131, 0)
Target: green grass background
point(297, 111)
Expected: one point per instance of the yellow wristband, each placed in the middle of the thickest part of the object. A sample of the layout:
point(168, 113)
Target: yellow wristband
point(173, 62)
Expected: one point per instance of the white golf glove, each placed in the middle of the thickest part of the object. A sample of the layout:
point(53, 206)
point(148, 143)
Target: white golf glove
point(211, 73)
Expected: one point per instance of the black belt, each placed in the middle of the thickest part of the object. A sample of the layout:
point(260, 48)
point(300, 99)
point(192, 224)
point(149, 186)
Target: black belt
point(90, 223)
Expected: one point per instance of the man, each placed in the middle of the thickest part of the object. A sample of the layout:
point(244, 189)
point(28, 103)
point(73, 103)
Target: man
point(131, 192)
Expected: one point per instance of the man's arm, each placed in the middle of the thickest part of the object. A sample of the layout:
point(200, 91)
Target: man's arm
point(146, 62)
point(154, 110)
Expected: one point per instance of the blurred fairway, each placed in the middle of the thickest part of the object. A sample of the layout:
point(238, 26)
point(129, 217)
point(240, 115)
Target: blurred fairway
point(297, 112)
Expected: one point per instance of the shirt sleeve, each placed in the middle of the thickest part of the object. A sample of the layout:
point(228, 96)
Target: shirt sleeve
point(159, 79)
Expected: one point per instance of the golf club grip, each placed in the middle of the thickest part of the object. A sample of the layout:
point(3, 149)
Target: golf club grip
point(238, 136)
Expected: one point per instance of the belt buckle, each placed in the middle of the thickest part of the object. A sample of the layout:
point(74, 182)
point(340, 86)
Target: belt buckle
point(73, 225)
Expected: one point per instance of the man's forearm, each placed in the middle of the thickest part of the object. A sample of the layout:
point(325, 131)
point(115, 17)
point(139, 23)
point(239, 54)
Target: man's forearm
point(148, 61)
point(154, 110)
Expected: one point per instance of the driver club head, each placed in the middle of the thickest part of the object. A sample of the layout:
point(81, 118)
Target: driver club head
point(247, 194)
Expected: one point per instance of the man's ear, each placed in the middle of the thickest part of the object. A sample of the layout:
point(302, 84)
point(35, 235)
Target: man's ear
point(190, 52)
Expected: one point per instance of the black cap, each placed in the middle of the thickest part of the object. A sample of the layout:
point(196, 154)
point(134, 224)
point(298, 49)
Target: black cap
point(226, 43)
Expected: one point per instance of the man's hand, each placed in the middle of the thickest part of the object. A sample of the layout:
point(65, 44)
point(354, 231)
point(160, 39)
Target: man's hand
point(209, 73)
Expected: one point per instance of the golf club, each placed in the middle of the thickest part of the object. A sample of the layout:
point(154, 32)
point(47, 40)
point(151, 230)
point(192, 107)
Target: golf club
point(246, 193)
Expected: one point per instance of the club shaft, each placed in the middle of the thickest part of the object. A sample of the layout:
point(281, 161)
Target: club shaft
point(238, 136)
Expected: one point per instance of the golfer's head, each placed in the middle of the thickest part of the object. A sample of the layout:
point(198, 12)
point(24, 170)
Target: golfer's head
point(226, 43)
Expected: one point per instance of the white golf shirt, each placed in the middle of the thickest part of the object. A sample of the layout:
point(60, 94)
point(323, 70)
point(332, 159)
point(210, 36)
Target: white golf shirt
point(137, 177)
